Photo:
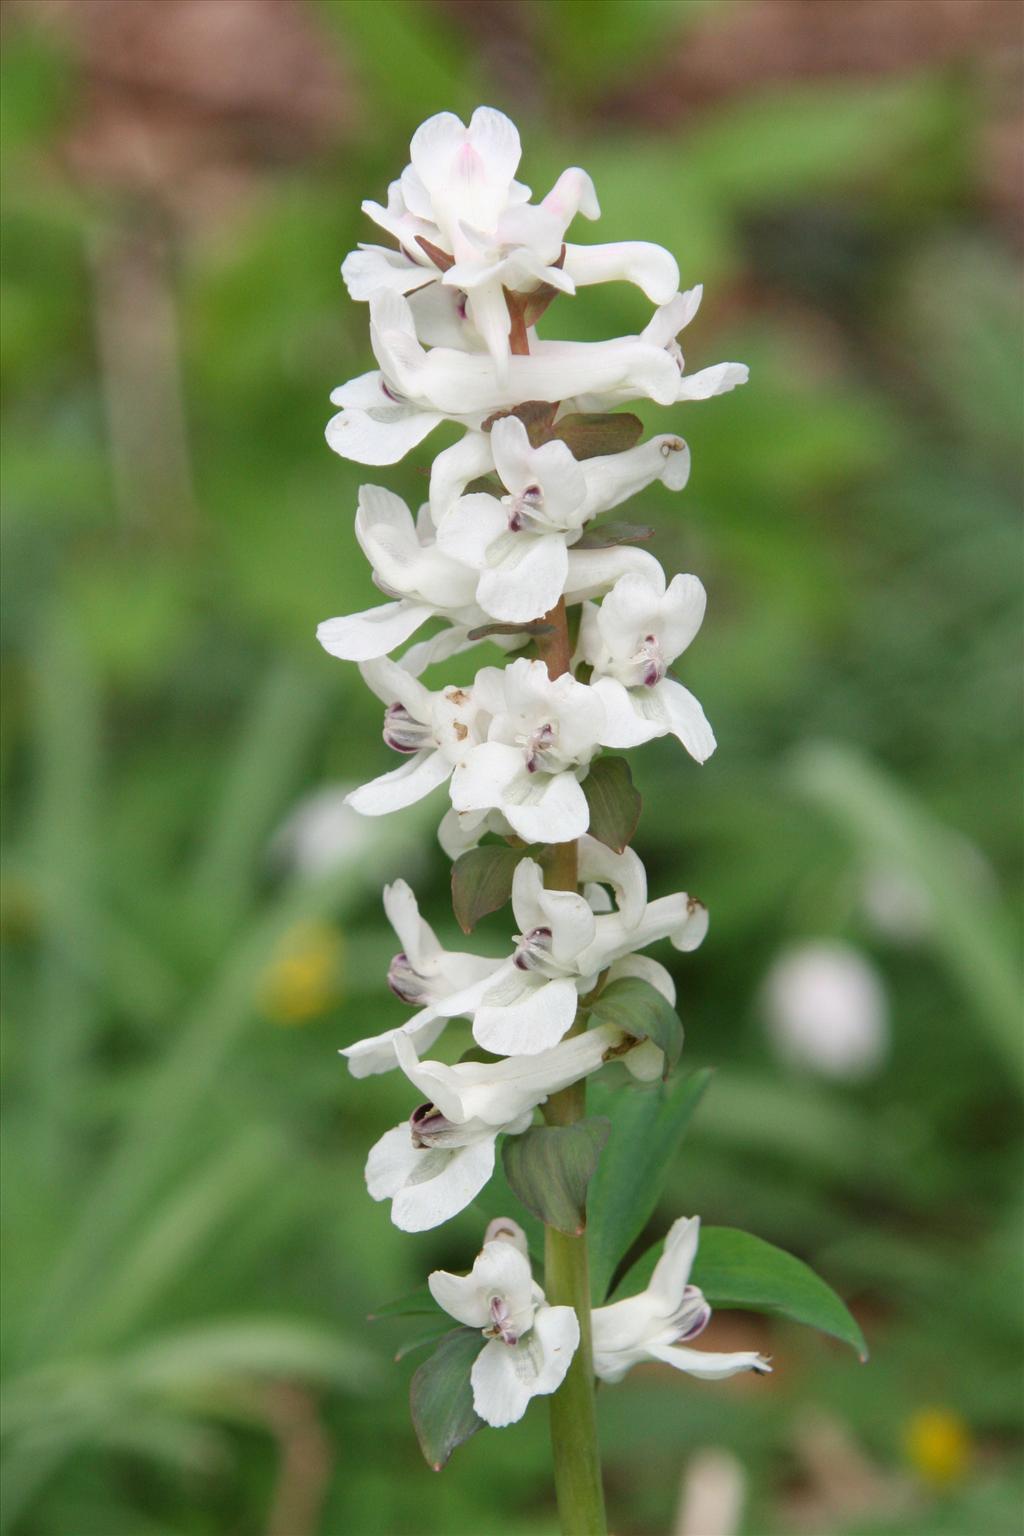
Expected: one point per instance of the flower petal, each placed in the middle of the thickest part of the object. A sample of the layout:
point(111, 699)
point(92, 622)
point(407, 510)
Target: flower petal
point(707, 1366)
point(444, 1186)
point(420, 774)
point(374, 632)
point(529, 580)
point(381, 437)
point(537, 1022)
point(650, 267)
point(505, 1377)
point(542, 808)
point(685, 718)
point(624, 725)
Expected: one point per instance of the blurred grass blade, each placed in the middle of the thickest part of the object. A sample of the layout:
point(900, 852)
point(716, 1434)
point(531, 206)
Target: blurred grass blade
point(272, 748)
point(176, 1236)
point(63, 855)
point(970, 933)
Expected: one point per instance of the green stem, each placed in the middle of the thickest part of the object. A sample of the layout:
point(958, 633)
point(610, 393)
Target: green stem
point(574, 1445)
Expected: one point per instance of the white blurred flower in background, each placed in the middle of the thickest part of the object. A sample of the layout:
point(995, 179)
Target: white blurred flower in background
point(826, 1010)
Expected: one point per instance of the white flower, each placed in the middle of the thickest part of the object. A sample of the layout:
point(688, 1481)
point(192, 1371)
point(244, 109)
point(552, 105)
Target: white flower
point(433, 1165)
point(660, 334)
point(409, 566)
point(541, 732)
point(827, 1009)
point(608, 478)
point(519, 544)
point(462, 220)
point(528, 1002)
point(421, 974)
point(434, 730)
point(659, 1323)
point(631, 641)
point(529, 1344)
point(388, 411)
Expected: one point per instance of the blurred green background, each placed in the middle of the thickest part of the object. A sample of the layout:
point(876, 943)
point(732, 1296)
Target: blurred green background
point(189, 937)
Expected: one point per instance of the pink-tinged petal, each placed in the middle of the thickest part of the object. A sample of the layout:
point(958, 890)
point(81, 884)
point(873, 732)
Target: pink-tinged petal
point(462, 1174)
point(393, 791)
point(495, 138)
point(375, 632)
point(685, 718)
point(528, 582)
point(535, 1023)
point(571, 194)
point(649, 267)
point(500, 1270)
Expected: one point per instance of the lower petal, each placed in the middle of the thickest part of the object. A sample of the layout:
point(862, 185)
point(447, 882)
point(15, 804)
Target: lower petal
point(707, 1366)
point(686, 719)
point(461, 1174)
point(374, 632)
point(536, 1022)
point(378, 438)
point(404, 786)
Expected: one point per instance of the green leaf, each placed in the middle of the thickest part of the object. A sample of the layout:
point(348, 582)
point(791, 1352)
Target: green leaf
point(736, 1270)
point(482, 882)
point(416, 1304)
point(647, 1128)
point(605, 535)
point(550, 1166)
point(421, 1341)
point(640, 1010)
point(614, 802)
point(591, 435)
point(441, 1398)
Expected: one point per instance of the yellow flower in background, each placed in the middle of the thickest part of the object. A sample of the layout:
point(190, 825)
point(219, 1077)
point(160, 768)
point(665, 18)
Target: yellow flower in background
point(304, 975)
point(938, 1446)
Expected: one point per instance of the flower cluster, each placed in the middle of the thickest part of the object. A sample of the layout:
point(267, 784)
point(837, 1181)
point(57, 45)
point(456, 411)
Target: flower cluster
point(510, 536)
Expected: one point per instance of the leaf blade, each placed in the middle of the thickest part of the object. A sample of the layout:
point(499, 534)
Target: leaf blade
point(482, 882)
point(614, 802)
point(647, 1127)
point(441, 1397)
point(549, 1168)
point(640, 1009)
point(738, 1271)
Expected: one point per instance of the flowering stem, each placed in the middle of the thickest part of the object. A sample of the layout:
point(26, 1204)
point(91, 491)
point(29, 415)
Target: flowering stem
point(574, 1445)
